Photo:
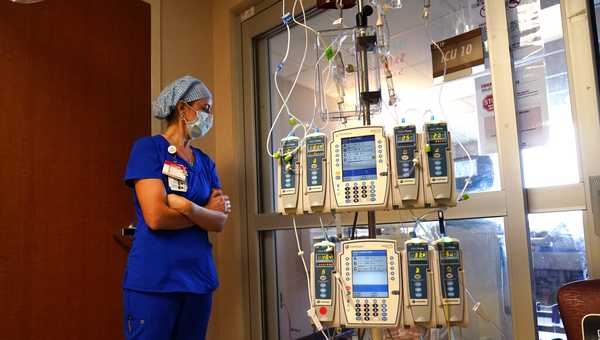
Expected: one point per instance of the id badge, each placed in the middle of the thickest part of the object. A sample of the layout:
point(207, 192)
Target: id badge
point(174, 170)
point(177, 185)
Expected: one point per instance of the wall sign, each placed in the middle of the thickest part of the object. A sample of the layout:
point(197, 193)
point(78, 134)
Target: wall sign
point(461, 52)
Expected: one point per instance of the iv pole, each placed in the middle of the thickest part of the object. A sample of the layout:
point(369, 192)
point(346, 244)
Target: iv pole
point(361, 24)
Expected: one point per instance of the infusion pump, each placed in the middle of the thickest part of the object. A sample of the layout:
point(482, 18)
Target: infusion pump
point(315, 174)
point(362, 169)
point(419, 308)
point(407, 178)
point(438, 168)
point(449, 282)
point(359, 166)
point(322, 280)
point(288, 176)
point(372, 283)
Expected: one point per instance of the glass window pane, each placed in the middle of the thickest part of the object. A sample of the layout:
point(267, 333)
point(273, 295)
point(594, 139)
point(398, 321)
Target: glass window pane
point(594, 6)
point(547, 133)
point(558, 255)
point(420, 96)
point(486, 275)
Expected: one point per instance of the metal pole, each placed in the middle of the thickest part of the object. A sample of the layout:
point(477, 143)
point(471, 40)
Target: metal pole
point(364, 80)
point(366, 106)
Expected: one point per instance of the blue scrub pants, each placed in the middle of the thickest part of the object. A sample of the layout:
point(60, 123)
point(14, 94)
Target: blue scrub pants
point(165, 316)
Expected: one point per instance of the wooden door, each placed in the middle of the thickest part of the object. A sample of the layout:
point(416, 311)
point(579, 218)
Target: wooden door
point(74, 95)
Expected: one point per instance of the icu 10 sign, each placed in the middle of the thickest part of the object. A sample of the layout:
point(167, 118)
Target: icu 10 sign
point(460, 52)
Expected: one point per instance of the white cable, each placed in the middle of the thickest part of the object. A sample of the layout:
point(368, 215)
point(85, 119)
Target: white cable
point(468, 180)
point(277, 86)
point(318, 37)
point(323, 230)
point(285, 100)
point(483, 316)
point(301, 255)
point(328, 70)
point(430, 233)
point(443, 114)
point(429, 35)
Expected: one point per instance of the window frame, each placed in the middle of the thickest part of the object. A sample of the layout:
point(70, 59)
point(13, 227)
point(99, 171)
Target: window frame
point(513, 202)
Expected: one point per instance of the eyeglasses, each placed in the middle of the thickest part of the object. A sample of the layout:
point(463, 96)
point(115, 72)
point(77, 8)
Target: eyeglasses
point(207, 108)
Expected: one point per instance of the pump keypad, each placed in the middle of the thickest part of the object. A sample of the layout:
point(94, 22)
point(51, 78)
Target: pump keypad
point(371, 310)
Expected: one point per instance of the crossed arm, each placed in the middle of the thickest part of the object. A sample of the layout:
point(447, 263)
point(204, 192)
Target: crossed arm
point(174, 212)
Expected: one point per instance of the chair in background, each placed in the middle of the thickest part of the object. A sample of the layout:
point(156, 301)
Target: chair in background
point(576, 300)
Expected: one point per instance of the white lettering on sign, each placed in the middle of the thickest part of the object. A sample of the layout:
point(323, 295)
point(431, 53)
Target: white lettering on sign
point(453, 54)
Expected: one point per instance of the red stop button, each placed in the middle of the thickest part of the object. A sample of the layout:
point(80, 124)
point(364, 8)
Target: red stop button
point(323, 310)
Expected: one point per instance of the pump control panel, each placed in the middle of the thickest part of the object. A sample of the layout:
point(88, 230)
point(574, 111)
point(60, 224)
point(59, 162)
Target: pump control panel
point(438, 167)
point(315, 157)
point(449, 281)
point(359, 169)
point(437, 138)
point(323, 283)
point(315, 173)
point(405, 142)
point(405, 149)
point(418, 284)
point(450, 265)
point(289, 176)
point(417, 269)
point(371, 275)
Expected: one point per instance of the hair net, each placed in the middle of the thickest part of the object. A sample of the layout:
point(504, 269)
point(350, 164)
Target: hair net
point(187, 89)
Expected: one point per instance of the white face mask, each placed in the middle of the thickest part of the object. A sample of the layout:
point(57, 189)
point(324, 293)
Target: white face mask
point(201, 125)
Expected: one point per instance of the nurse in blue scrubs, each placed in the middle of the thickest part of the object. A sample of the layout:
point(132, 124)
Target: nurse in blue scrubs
point(170, 274)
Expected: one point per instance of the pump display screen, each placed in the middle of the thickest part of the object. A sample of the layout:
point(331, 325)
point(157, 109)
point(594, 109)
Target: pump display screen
point(406, 137)
point(324, 257)
point(450, 254)
point(369, 274)
point(358, 158)
point(438, 136)
point(417, 255)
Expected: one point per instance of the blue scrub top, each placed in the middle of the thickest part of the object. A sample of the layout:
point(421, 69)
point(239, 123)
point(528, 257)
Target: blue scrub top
point(170, 260)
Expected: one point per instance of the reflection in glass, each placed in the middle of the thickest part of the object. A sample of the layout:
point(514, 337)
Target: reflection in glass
point(547, 133)
point(558, 254)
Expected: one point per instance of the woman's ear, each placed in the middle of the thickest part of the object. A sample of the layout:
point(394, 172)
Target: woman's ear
point(180, 109)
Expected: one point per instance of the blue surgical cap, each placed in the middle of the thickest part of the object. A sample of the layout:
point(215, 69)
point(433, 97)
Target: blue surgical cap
point(187, 89)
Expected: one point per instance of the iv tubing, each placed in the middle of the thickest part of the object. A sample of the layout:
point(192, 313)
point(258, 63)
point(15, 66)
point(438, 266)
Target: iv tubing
point(285, 100)
point(301, 255)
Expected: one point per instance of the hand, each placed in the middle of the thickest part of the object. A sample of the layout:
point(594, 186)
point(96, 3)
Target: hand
point(181, 204)
point(219, 202)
